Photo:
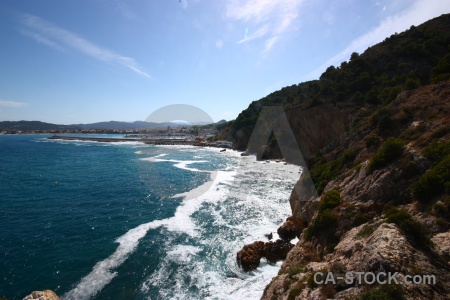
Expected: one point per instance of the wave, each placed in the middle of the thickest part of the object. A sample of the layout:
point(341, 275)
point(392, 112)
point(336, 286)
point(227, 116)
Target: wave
point(103, 273)
point(240, 205)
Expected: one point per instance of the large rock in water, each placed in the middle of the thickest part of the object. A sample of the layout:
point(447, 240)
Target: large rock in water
point(278, 250)
point(287, 231)
point(42, 295)
point(250, 255)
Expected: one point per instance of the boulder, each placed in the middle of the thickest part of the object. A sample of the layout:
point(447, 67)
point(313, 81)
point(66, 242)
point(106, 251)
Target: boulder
point(250, 255)
point(42, 295)
point(275, 251)
point(287, 231)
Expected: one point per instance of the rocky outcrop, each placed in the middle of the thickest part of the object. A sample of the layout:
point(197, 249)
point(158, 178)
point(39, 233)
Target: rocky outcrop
point(288, 231)
point(384, 250)
point(250, 255)
point(42, 295)
point(379, 224)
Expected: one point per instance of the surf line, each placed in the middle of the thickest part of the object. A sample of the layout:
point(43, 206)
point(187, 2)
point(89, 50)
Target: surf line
point(102, 273)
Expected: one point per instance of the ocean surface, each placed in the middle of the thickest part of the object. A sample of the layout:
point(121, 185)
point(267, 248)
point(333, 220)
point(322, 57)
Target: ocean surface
point(127, 220)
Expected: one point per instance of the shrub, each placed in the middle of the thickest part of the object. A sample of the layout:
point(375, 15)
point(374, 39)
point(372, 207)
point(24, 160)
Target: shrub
point(435, 181)
point(295, 291)
point(330, 200)
point(437, 151)
point(365, 231)
point(409, 226)
point(383, 292)
point(323, 229)
point(297, 270)
point(389, 151)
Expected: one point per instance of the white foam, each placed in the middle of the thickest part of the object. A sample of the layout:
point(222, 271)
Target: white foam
point(252, 202)
point(183, 253)
point(247, 201)
point(181, 164)
point(102, 272)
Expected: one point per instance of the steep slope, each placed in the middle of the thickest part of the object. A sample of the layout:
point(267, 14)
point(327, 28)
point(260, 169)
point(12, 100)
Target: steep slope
point(404, 61)
point(376, 136)
point(387, 209)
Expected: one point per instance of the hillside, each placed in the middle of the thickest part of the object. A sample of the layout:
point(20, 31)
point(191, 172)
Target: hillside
point(375, 134)
point(404, 61)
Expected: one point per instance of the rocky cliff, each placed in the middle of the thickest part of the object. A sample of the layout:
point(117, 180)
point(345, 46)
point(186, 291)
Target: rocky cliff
point(386, 211)
point(376, 136)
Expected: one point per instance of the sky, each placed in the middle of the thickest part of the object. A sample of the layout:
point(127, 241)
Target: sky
point(85, 61)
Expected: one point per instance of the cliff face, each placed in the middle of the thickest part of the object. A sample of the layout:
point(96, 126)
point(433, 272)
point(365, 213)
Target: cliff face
point(375, 132)
point(314, 128)
point(372, 217)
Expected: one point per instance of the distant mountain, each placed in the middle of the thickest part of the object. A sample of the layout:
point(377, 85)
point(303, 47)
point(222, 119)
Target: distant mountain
point(121, 125)
point(110, 125)
point(35, 125)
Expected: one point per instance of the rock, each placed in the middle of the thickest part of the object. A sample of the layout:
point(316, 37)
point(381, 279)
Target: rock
point(269, 236)
point(42, 295)
point(288, 231)
point(385, 250)
point(250, 255)
point(275, 251)
point(442, 242)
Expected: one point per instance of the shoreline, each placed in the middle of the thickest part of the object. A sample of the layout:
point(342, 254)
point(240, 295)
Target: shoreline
point(117, 140)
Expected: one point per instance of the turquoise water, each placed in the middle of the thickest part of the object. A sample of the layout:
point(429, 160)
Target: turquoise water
point(130, 221)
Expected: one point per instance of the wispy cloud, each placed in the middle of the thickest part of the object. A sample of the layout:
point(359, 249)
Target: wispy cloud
point(58, 38)
point(417, 13)
point(272, 19)
point(8, 103)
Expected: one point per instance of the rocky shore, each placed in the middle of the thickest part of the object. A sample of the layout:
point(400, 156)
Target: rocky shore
point(371, 217)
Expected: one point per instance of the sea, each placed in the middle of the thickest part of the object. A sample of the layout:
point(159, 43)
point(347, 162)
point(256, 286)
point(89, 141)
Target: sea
point(94, 220)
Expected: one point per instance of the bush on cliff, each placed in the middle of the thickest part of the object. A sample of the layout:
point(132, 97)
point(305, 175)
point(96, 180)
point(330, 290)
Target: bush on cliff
point(437, 151)
point(410, 227)
point(383, 292)
point(389, 151)
point(330, 200)
point(323, 171)
point(327, 220)
point(435, 181)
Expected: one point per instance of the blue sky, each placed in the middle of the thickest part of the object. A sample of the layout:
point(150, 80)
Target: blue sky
point(83, 61)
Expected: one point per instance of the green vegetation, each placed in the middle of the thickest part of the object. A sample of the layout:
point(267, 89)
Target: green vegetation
point(437, 179)
point(410, 227)
point(296, 290)
point(366, 231)
point(375, 77)
point(389, 151)
point(326, 221)
point(330, 200)
point(437, 151)
point(323, 171)
point(383, 292)
point(297, 270)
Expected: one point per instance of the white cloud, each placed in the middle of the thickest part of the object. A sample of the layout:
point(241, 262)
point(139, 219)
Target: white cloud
point(59, 38)
point(8, 103)
point(272, 19)
point(417, 13)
